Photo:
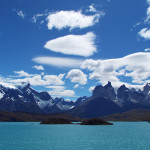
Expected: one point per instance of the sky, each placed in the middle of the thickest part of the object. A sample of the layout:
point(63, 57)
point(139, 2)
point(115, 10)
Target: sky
point(67, 47)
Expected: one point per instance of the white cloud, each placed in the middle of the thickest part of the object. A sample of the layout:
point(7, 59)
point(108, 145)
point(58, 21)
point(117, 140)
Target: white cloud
point(77, 76)
point(148, 15)
point(134, 65)
point(67, 93)
point(35, 81)
point(148, 1)
point(58, 87)
point(22, 73)
point(38, 67)
point(147, 49)
point(2, 79)
point(21, 14)
point(59, 91)
point(91, 88)
point(145, 33)
point(82, 45)
point(7, 85)
point(58, 61)
point(35, 17)
point(53, 79)
point(61, 76)
point(41, 22)
point(68, 100)
point(76, 86)
point(92, 8)
point(137, 24)
point(38, 80)
point(42, 73)
point(71, 19)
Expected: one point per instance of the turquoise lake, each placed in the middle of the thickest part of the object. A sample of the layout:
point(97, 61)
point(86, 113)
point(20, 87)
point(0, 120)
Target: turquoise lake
point(33, 136)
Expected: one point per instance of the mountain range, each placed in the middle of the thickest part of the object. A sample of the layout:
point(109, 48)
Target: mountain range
point(104, 101)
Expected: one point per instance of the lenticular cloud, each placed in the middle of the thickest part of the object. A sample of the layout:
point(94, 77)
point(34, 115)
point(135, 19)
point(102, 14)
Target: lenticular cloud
point(82, 45)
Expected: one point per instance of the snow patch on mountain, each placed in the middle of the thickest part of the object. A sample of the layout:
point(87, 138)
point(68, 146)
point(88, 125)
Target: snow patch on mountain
point(1, 95)
point(64, 107)
point(42, 104)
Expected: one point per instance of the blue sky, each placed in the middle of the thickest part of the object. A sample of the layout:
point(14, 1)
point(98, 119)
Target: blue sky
point(67, 47)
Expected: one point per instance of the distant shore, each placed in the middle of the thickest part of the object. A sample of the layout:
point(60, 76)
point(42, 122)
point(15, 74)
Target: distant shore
point(136, 115)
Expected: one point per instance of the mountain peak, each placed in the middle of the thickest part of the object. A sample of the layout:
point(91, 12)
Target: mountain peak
point(146, 89)
point(24, 85)
point(108, 85)
point(147, 85)
point(123, 87)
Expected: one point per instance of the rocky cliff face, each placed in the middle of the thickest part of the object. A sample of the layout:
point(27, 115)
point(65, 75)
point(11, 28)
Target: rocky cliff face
point(128, 97)
point(104, 101)
point(107, 92)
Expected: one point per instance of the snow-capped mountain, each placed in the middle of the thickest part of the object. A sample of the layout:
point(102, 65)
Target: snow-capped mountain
point(25, 99)
point(104, 100)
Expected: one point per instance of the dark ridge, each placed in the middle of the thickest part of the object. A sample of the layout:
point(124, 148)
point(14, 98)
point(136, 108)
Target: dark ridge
point(132, 115)
point(56, 121)
point(27, 117)
point(96, 121)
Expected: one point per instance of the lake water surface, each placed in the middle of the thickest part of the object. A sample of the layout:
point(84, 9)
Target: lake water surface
point(33, 136)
